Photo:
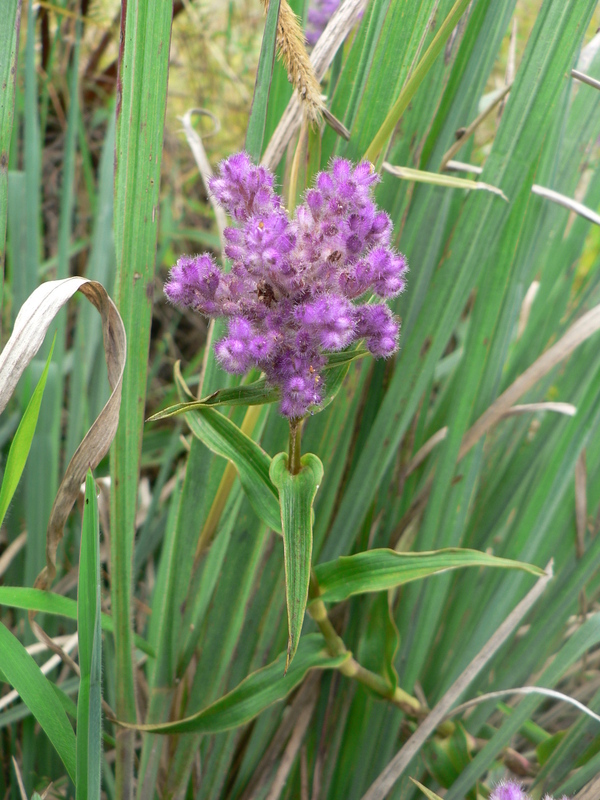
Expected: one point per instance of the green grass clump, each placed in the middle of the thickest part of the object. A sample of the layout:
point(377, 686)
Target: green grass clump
point(157, 660)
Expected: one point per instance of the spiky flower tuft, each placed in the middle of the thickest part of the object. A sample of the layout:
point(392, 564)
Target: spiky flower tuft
point(509, 790)
point(293, 290)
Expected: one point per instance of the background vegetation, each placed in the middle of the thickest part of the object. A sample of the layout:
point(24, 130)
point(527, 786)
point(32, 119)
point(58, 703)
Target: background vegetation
point(422, 452)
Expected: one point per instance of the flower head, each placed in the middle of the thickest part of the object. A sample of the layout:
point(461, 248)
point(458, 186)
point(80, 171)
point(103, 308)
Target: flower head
point(509, 790)
point(291, 294)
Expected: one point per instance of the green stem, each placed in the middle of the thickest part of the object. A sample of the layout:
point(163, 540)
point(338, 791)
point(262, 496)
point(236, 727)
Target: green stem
point(351, 668)
point(295, 448)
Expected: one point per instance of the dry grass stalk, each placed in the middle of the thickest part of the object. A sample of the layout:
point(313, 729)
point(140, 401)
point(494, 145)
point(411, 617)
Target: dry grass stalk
point(291, 48)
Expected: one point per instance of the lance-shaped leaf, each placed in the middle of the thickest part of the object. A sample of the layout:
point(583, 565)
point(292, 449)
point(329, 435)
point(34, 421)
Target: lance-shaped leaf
point(259, 392)
point(376, 570)
point(255, 693)
point(24, 675)
point(224, 438)
point(427, 792)
point(296, 495)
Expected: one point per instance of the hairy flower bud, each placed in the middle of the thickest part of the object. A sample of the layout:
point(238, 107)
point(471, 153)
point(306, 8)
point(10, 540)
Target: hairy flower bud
point(293, 290)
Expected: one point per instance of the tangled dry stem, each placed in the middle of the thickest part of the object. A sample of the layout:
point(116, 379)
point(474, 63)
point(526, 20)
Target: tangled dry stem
point(291, 48)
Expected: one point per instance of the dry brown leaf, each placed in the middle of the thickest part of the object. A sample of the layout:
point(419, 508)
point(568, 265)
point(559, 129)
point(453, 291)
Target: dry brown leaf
point(31, 325)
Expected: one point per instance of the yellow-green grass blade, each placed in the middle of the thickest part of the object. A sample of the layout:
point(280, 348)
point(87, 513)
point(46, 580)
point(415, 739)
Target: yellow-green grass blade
point(89, 701)
point(379, 142)
point(482, 222)
point(142, 88)
point(25, 676)
point(21, 443)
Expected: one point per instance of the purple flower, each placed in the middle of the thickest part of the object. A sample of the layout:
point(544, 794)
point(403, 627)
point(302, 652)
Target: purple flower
point(509, 790)
point(319, 13)
point(293, 292)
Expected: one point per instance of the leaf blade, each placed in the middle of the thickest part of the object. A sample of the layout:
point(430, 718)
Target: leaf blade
point(255, 693)
point(296, 495)
point(381, 569)
point(27, 679)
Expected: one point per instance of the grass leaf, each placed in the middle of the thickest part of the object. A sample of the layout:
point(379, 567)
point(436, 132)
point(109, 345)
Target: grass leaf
point(21, 443)
point(89, 701)
point(25, 676)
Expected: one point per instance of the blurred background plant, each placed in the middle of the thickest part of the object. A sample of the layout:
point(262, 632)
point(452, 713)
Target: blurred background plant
point(190, 578)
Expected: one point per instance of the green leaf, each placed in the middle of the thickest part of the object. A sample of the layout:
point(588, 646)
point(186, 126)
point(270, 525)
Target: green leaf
point(446, 758)
point(255, 693)
point(141, 102)
point(9, 36)
point(223, 437)
point(545, 749)
point(252, 394)
point(427, 792)
point(437, 179)
point(262, 87)
point(37, 693)
point(415, 80)
point(51, 603)
point(376, 570)
point(89, 701)
point(296, 496)
point(21, 444)
point(379, 646)
point(259, 392)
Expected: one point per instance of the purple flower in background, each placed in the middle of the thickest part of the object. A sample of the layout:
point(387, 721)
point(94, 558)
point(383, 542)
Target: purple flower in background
point(291, 294)
point(319, 14)
point(510, 790)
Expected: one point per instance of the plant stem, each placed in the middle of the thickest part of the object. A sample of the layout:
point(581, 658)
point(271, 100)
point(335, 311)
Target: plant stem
point(295, 449)
point(351, 668)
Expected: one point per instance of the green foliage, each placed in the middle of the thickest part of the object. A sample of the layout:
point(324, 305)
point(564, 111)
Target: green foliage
point(190, 572)
point(89, 702)
point(296, 496)
point(21, 443)
point(377, 570)
point(22, 673)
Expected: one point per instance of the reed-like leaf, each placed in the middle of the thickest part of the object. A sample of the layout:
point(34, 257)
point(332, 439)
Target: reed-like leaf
point(25, 676)
point(89, 700)
point(142, 80)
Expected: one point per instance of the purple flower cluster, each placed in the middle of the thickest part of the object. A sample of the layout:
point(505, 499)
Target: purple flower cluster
point(319, 14)
point(510, 790)
point(290, 293)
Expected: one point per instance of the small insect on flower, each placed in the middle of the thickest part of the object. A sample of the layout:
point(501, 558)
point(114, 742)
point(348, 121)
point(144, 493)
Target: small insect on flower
point(295, 287)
